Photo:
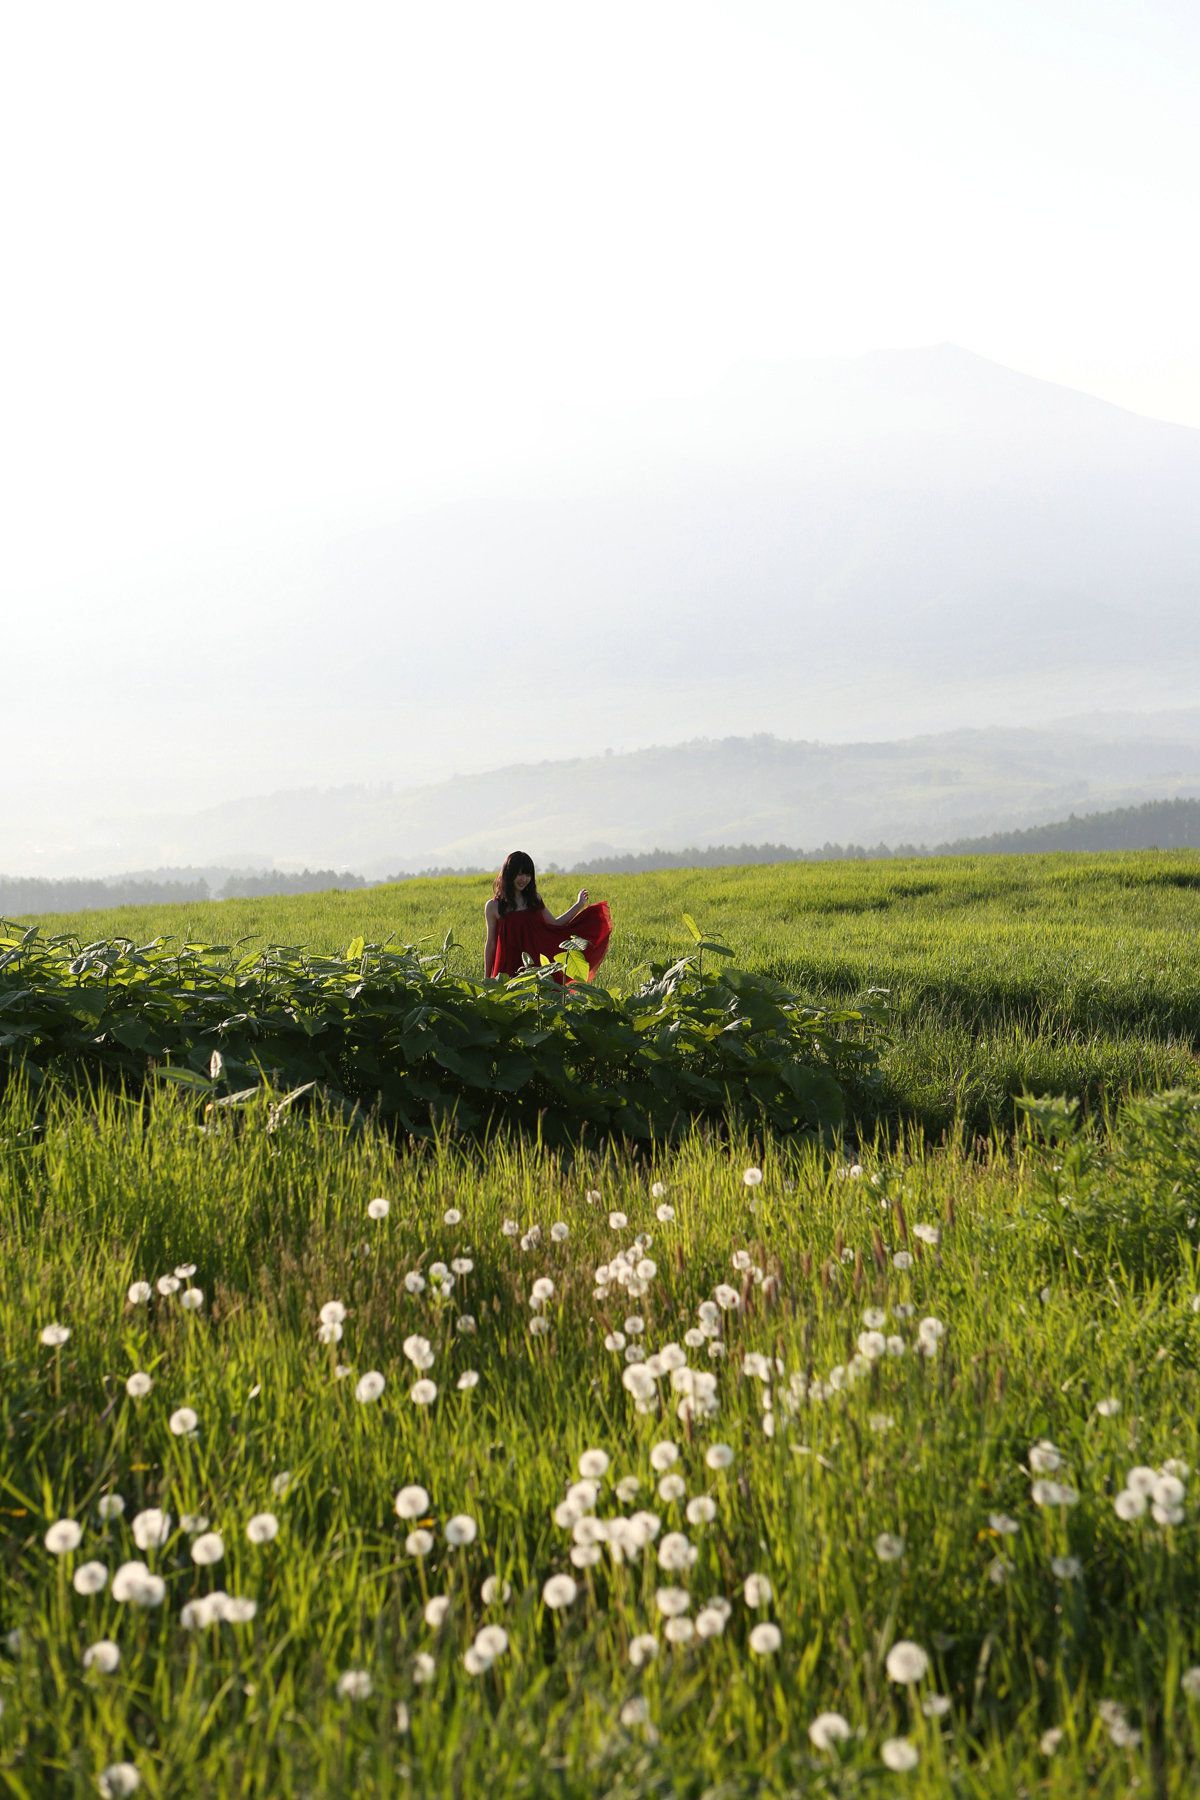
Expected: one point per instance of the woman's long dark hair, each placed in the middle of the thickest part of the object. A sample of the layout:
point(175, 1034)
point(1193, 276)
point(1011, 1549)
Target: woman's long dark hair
point(505, 893)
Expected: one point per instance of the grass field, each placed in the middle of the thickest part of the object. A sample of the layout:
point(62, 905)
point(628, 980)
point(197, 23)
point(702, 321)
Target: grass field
point(739, 1469)
point(1073, 974)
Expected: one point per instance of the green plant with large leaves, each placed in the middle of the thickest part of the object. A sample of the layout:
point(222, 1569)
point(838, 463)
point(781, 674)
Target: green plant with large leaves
point(398, 1030)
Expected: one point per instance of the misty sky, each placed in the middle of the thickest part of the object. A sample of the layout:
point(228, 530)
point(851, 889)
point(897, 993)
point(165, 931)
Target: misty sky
point(276, 272)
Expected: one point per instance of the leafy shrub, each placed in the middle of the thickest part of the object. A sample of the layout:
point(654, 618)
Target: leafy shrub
point(396, 1029)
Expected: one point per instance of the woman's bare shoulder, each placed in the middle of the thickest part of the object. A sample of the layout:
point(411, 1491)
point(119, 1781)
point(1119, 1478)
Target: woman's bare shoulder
point(489, 910)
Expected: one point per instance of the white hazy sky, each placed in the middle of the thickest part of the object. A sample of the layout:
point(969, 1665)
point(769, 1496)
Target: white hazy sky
point(271, 264)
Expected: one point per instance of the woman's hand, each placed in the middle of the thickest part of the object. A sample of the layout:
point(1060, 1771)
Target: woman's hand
point(582, 900)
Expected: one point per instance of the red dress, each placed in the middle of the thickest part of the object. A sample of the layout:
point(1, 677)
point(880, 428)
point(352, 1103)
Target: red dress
point(529, 931)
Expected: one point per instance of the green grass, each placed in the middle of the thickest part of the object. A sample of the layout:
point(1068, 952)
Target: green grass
point(1062, 973)
point(1065, 1274)
point(276, 1223)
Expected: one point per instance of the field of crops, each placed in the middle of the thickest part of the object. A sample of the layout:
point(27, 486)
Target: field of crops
point(338, 1463)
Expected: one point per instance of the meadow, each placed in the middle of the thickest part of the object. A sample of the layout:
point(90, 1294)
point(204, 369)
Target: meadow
point(1076, 974)
point(335, 1463)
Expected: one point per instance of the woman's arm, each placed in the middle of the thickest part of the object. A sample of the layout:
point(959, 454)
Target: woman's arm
point(489, 948)
point(571, 912)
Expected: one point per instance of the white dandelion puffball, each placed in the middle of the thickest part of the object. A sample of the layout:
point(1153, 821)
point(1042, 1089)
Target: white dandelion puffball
point(63, 1536)
point(560, 1231)
point(559, 1591)
point(617, 1221)
point(726, 1297)
point(467, 1380)
point(208, 1548)
point(593, 1464)
point(757, 1590)
point(90, 1578)
point(332, 1313)
point(642, 1649)
point(765, 1639)
point(139, 1384)
point(193, 1523)
point(752, 1177)
point(701, 1510)
point(672, 1601)
point(902, 1259)
point(899, 1755)
point(192, 1299)
point(452, 1216)
point(1189, 1681)
point(369, 1387)
point(657, 1190)
point(663, 1455)
point(104, 1656)
point(889, 1547)
point(1108, 1409)
point(262, 1528)
point(185, 1270)
point(378, 1209)
point(354, 1684)
point(118, 1780)
point(235, 1609)
point(907, 1663)
point(168, 1284)
point(423, 1392)
point(135, 1584)
point(419, 1352)
point(491, 1641)
point(419, 1543)
point(412, 1501)
point(151, 1528)
point(541, 1291)
point(719, 1456)
point(1045, 1458)
point(494, 1589)
point(828, 1729)
point(110, 1506)
point(436, 1609)
point(138, 1293)
point(183, 1422)
point(424, 1668)
point(54, 1335)
point(679, 1631)
point(461, 1529)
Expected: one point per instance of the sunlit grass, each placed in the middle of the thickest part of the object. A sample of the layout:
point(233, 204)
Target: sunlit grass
point(813, 1268)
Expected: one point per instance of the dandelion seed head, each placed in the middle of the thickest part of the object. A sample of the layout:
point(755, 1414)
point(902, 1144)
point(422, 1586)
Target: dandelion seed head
point(104, 1656)
point(355, 1684)
point(90, 1578)
point(54, 1335)
point(118, 1781)
point(828, 1729)
point(900, 1755)
point(183, 1422)
point(379, 1208)
point(369, 1387)
point(907, 1663)
point(62, 1537)
point(262, 1528)
point(138, 1293)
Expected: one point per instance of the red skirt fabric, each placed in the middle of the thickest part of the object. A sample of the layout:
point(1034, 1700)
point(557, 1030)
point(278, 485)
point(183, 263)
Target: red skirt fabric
point(528, 931)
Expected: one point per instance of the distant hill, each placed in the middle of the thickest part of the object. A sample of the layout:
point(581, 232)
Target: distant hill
point(1158, 825)
point(867, 545)
point(709, 791)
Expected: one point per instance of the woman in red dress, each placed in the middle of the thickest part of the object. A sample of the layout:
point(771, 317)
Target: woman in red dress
point(518, 921)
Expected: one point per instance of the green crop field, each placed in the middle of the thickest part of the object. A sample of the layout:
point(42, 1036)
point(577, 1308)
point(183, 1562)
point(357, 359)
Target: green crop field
point(337, 1462)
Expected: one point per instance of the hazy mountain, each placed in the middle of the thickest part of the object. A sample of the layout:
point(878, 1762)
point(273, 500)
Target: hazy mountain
point(849, 548)
point(735, 790)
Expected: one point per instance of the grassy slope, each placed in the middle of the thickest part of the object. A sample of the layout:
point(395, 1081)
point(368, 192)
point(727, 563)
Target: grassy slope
point(1067, 973)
